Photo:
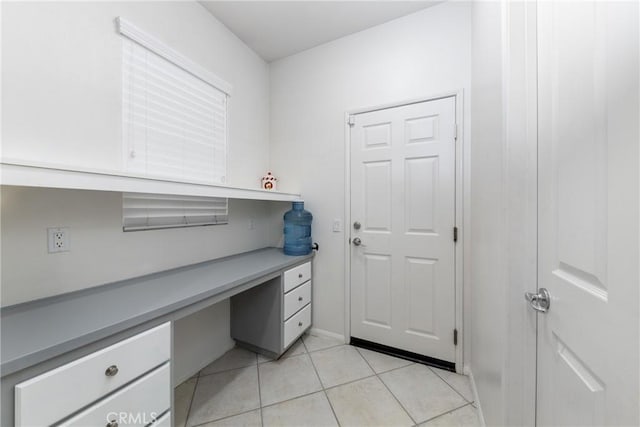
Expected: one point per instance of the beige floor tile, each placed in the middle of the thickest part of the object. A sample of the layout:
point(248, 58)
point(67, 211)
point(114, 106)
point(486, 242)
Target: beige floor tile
point(307, 411)
point(381, 362)
point(367, 403)
point(422, 393)
point(340, 365)
point(224, 394)
point(182, 396)
point(466, 416)
point(248, 419)
point(316, 342)
point(286, 379)
point(296, 349)
point(459, 382)
point(233, 359)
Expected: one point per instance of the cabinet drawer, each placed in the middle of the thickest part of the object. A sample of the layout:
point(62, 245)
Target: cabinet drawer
point(137, 404)
point(296, 299)
point(296, 325)
point(54, 395)
point(296, 276)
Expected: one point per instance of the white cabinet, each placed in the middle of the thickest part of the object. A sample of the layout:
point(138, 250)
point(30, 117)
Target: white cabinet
point(270, 317)
point(296, 276)
point(101, 377)
point(295, 299)
point(137, 404)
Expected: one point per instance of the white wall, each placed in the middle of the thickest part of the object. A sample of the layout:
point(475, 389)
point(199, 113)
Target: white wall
point(504, 210)
point(422, 54)
point(61, 79)
point(61, 103)
point(488, 239)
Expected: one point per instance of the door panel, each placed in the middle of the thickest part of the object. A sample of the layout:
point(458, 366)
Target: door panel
point(402, 192)
point(421, 183)
point(377, 287)
point(588, 241)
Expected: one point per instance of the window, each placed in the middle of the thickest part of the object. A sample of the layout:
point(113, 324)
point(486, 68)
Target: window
point(174, 113)
point(153, 211)
point(174, 126)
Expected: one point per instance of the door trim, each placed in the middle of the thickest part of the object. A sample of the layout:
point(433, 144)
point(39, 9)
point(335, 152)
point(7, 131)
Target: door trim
point(462, 203)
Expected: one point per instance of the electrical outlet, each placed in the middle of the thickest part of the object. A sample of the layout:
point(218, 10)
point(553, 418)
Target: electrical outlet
point(252, 223)
point(58, 239)
point(337, 225)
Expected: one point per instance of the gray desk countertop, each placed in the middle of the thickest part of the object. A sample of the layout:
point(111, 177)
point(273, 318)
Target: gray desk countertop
point(40, 330)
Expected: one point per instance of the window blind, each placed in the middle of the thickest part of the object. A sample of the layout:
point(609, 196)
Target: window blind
point(174, 122)
point(153, 211)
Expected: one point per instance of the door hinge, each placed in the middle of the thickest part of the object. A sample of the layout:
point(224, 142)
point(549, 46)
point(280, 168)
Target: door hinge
point(455, 131)
point(351, 121)
point(455, 234)
point(455, 337)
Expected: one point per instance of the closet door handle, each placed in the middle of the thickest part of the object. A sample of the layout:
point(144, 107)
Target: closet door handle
point(540, 301)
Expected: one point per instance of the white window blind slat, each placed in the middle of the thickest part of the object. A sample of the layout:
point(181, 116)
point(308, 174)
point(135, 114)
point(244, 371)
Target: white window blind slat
point(174, 123)
point(174, 126)
point(153, 211)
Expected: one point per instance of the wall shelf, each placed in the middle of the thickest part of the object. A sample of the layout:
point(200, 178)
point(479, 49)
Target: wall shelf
point(15, 173)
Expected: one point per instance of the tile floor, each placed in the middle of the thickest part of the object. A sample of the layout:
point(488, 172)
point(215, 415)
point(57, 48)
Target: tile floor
point(322, 382)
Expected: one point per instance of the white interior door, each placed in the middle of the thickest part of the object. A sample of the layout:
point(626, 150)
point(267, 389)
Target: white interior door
point(402, 196)
point(588, 213)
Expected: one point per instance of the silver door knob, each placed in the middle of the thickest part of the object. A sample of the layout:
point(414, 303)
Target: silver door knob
point(540, 301)
point(356, 241)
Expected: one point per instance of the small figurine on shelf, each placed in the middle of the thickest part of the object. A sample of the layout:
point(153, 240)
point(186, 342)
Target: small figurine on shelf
point(269, 182)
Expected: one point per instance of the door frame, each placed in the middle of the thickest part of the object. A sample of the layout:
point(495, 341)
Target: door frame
point(462, 203)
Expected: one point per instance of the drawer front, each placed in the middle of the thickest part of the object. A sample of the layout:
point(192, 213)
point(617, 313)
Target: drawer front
point(64, 390)
point(137, 404)
point(297, 298)
point(296, 276)
point(296, 325)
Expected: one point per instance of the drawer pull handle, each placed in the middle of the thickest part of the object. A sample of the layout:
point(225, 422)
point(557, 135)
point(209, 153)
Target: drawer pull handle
point(299, 323)
point(111, 372)
point(300, 276)
point(299, 298)
point(112, 423)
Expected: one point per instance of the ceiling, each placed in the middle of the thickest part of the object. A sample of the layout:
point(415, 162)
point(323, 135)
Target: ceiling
point(275, 29)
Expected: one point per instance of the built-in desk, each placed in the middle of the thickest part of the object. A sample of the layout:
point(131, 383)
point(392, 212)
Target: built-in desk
point(44, 334)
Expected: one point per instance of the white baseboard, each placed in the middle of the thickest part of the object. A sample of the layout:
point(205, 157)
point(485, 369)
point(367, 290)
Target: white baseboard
point(324, 333)
point(476, 400)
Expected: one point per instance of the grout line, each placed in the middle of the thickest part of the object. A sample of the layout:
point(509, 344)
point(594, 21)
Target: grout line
point(325, 348)
point(445, 413)
point(320, 349)
point(226, 418)
point(385, 386)
point(193, 394)
point(324, 390)
point(388, 370)
point(292, 398)
point(450, 386)
point(259, 391)
point(326, 396)
point(226, 370)
point(350, 382)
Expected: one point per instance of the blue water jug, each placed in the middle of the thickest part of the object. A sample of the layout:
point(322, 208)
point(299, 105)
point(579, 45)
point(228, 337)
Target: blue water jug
point(297, 230)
